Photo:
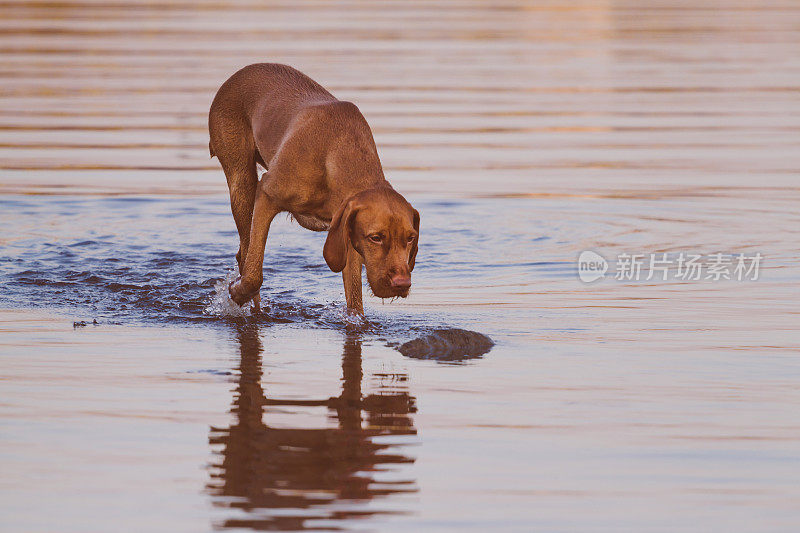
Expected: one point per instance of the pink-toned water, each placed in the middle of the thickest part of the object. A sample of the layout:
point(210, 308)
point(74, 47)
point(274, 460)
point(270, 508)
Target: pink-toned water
point(525, 134)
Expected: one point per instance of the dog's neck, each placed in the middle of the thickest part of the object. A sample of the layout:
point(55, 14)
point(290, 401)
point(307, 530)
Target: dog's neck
point(352, 193)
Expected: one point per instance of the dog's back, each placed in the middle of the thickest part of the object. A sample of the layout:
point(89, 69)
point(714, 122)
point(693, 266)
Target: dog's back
point(267, 94)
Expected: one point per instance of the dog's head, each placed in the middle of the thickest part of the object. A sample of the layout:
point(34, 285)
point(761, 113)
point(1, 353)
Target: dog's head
point(384, 229)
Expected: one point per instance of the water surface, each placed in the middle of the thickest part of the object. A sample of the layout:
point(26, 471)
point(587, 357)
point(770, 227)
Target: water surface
point(524, 133)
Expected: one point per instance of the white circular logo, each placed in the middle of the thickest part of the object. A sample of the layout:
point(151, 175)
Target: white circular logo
point(591, 266)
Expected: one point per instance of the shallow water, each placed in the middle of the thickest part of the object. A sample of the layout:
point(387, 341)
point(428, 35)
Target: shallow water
point(524, 134)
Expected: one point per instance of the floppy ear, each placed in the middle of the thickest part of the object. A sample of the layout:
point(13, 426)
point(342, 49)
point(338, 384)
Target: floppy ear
point(412, 257)
point(335, 249)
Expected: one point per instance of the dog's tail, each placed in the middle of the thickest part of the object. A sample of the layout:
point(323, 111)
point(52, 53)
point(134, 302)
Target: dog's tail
point(210, 149)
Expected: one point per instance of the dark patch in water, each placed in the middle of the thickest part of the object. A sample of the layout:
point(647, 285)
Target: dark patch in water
point(448, 345)
point(212, 372)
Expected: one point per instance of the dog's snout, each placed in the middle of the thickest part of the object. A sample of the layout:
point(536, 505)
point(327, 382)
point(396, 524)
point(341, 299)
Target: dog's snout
point(401, 281)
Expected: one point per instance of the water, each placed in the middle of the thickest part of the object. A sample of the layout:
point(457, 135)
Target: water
point(524, 134)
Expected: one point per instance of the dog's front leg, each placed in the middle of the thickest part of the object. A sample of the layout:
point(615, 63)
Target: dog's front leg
point(247, 284)
point(351, 276)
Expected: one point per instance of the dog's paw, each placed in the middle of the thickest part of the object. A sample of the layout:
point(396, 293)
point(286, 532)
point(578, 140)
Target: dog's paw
point(242, 292)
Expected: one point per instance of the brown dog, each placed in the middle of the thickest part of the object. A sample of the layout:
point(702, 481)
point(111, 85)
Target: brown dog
point(322, 167)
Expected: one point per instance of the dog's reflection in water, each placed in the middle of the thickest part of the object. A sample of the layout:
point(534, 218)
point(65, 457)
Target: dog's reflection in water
point(288, 479)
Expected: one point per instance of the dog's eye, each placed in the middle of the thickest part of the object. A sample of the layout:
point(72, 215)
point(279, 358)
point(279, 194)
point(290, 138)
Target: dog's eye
point(376, 238)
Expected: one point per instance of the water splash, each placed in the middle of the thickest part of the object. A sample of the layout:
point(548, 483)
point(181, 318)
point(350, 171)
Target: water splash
point(283, 310)
point(220, 303)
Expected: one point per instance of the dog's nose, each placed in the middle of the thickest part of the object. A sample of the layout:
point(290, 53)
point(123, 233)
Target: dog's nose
point(401, 282)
